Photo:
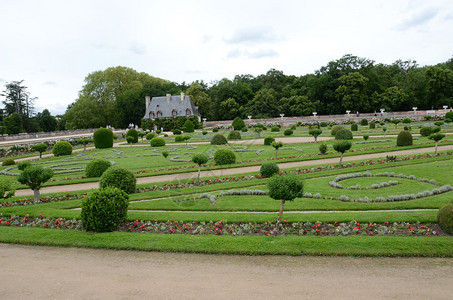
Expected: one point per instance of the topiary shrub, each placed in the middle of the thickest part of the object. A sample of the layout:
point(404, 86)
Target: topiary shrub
point(269, 169)
point(204, 132)
point(435, 129)
point(284, 188)
point(288, 132)
point(425, 131)
point(133, 133)
point(103, 138)
point(218, 139)
point(104, 210)
point(268, 140)
point(23, 165)
point(62, 148)
point(372, 125)
point(335, 129)
point(224, 157)
point(275, 129)
point(215, 129)
point(97, 167)
point(8, 162)
point(119, 178)
point(323, 124)
point(445, 218)
point(188, 126)
point(157, 142)
point(404, 138)
point(449, 115)
point(323, 148)
point(244, 129)
point(150, 136)
point(176, 131)
point(343, 134)
point(234, 135)
point(354, 127)
point(364, 122)
point(179, 139)
point(407, 120)
point(40, 148)
point(238, 123)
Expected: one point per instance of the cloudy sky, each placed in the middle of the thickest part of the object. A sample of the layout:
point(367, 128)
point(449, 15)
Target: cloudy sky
point(53, 45)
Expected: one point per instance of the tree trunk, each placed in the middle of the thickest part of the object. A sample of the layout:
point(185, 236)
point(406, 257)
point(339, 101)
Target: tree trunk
point(36, 195)
point(84, 147)
point(275, 154)
point(316, 139)
point(435, 153)
point(341, 158)
point(280, 214)
point(199, 169)
point(40, 155)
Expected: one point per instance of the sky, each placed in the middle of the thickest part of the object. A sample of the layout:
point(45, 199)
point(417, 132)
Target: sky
point(54, 45)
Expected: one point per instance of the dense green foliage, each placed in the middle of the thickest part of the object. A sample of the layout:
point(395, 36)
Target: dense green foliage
point(134, 134)
point(62, 148)
point(342, 146)
point(364, 122)
point(157, 142)
point(218, 139)
point(354, 127)
point(103, 138)
point(335, 129)
point(372, 125)
point(268, 169)
point(39, 148)
point(288, 132)
point(404, 138)
point(34, 177)
point(23, 165)
point(150, 136)
point(445, 218)
point(275, 129)
point(285, 187)
point(179, 139)
point(6, 190)
point(343, 134)
point(189, 126)
point(323, 148)
point(449, 115)
point(224, 157)
point(234, 135)
point(238, 123)
point(425, 131)
point(268, 140)
point(104, 210)
point(119, 178)
point(97, 167)
point(8, 162)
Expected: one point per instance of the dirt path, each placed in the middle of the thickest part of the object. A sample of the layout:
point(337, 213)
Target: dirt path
point(31, 272)
point(232, 171)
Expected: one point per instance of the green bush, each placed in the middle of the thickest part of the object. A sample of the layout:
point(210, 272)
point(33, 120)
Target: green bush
point(130, 139)
point(354, 127)
point(39, 148)
point(425, 131)
point(268, 140)
point(218, 139)
point(157, 142)
point(364, 122)
point(428, 118)
point(97, 167)
point(188, 126)
point(449, 115)
point(275, 129)
point(234, 135)
point(435, 129)
point(179, 139)
point(269, 169)
point(119, 178)
point(323, 124)
point(285, 187)
point(150, 136)
point(343, 134)
point(445, 218)
point(335, 129)
point(215, 129)
point(176, 131)
point(8, 162)
point(323, 148)
point(244, 129)
point(439, 123)
point(103, 138)
point(407, 120)
point(372, 125)
point(62, 148)
point(22, 165)
point(224, 157)
point(204, 132)
point(133, 133)
point(104, 210)
point(238, 123)
point(288, 132)
point(404, 138)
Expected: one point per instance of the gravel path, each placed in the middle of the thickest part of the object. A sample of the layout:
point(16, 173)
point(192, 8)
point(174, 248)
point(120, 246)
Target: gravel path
point(231, 171)
point(30, 272)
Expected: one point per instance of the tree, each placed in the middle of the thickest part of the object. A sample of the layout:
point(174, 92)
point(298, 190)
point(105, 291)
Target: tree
point(39, 148)
point(84, 142)
point(84, 113)
point(436, 137)
point(396, 122)
point(165, 155)
point(6, 191)
point(284, 188)
point(18, 100)
point(34, 177)
point(315, 133)
point(276, 145)
point(46, 121)
point(199, 159)
point(228, 109)
point(13, 124)
point(295, 106)
point(341, 147)
point(384, 129)
point(201, 99)
point(264, 104)
point(352, 92)
point(366, 137)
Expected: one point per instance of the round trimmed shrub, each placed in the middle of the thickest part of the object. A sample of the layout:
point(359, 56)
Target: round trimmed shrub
point(407, 128)
point(445, 218)
point(268, 140)
point(269, 169)
point(435, 129)
point(275, 129)
point(97, 167)
point(218, 139)
point(179, 139)
point(224, 157)
point(323, 124)
point(238, 123)
point(288, 132)
point(176, 131)
point(244, 129)
point(215, 129)
point(188, 126)
point(23, 165)
point(404, 138)
point(323, 148)
point(8, 162)
point(425, 131)
point(234, 135)
point(407, 120)
point(133, 133)
point(62, 148)
point(204, 132)
point(150, 136)
point(343, 134)
point(157, 142)
point(130, 139)
point(335, 129)
point(119, 178)
point(104, 210)
point(364, 122)
point(103, 138)
point(354, 127)
point(372, 125)
point(449, 115)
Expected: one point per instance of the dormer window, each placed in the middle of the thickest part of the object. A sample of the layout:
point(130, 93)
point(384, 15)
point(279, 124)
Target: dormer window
point(151, 114)
point(174, 113)
point(187, 112)
point(159, 113)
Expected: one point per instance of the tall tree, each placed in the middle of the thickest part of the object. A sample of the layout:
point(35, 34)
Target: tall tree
point(352, 92)
point(201, 99)
point(264, 104)
point(46, 121)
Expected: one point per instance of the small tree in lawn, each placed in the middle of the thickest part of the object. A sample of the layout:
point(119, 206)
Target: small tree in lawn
point(258, 130)
point(84, 142)
point(141, 134)
point(396, 122)
point(366, 137)
point(436, 137)
point(39, 148)
point(384, 129)
point(276, 145)
point(186, 138)
point(199, 159)
point(315, 133)
point(284, 188)
point(34, 177)
point(165, 155)
point(342, 147)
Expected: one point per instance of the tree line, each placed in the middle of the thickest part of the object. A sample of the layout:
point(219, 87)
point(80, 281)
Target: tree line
point(116, 96)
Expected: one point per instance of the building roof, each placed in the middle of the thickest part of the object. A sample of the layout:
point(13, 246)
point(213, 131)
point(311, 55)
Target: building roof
point(171, 106)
